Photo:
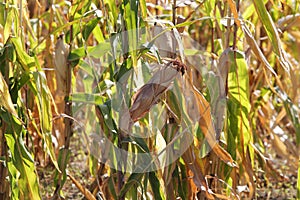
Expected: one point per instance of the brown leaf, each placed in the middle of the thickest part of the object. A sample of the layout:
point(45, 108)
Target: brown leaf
point(289, 21)
point(255, 48)
point(193, 163)
point(149, 94)
point(224, 155)
point(87, 194)
point(208, 129)
point(144, 99)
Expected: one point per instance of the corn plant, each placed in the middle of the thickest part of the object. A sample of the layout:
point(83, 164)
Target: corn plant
point(151, 99)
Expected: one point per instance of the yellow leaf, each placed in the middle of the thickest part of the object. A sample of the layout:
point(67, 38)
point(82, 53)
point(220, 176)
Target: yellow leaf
point(5, 99)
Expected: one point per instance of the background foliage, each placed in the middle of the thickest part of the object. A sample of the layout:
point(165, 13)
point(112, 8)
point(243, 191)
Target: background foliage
point(60, 62)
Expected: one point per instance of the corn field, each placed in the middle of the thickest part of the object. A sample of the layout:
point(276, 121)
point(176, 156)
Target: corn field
point(150, 99)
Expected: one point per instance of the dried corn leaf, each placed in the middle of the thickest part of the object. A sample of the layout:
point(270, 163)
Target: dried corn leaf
point(193, 163)
point(149, 94)
point(208, 130)
point(281, 149)
point(87, 194)
point(289, 21)
point(233, 9)
point(271, 30)
point(255, 48)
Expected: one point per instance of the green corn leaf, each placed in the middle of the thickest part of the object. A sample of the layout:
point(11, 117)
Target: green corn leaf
point(133, 181)
point(43, 98)
point(268, 23)
point(143, 8)
point(39, 87)
point(250, 10)
point(21, 166)
point(97, 33)
point(95, 99)
point(8, 24)
point(113, 11)
point(272, 32)
point(27, 62)
point(183, 182)
point(112, 188)
point(131, 17)
point(108, 120)
point(155, 185)
point(238, 104)
point(89, 27)
point(132, 193)
point(76, 54)
point(15, 175)
point(99, 50)
point(61, 162)
point(2, 14)
point(10, 53)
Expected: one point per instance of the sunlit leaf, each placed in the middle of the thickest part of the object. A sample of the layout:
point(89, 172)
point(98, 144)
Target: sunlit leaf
point(255, 48)
point(89, 27)
point(94, 99)
point(272, 33)
point(206, 125)
point(5, 99)
point(42, 94)
point(8, 24)
point(27, 62)
point(21, 160)
point(82, 189)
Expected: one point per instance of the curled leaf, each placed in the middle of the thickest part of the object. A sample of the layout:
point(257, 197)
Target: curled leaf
point(208, 130)
point(203, 110)
point(149, 94)
point(194, 164)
